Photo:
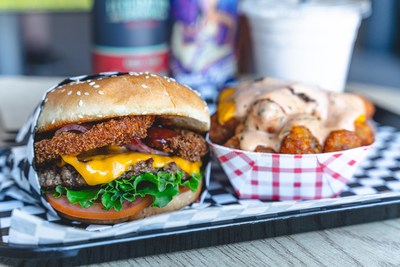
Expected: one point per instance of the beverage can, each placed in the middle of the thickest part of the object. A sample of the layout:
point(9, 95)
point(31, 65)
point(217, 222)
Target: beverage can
point(130, 35)
point(202, 43)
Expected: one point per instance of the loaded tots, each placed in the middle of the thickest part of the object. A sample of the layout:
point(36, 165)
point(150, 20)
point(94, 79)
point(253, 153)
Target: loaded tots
point(274, 116)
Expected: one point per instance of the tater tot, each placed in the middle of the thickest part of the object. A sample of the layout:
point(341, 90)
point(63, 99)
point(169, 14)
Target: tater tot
point(369, 107)
point(364, 132)
point(300, 141)
point(264, 149)
point(219, 134)
point(265, 115)
point(341, 140)
point(233, 142)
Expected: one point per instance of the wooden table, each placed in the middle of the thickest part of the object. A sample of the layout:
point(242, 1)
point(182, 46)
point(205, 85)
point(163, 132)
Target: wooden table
point(371, 244)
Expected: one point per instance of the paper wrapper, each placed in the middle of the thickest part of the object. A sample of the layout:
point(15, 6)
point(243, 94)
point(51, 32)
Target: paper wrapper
point(270, 176)
point(19, 180)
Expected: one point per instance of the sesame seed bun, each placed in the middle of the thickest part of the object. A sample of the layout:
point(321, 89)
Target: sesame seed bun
point(129, 94)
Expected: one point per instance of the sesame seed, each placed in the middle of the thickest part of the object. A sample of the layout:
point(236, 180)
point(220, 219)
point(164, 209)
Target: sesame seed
point(80, 103)
point(69, 93)
point(113, 75)
point(53, 121)
point(86, 93)
point(153, 75)
point(88, 81)
point(92, 83)
point(147, 77)
point(144, 86)
point(168, 80)
point(99, 79)
point(80, 116)
point(96, 86)
point(46, 99)
point(78, 93)
point(62, 91)
point(144, 113)
point(172, 79)
point(99, 115)
point(101, 92)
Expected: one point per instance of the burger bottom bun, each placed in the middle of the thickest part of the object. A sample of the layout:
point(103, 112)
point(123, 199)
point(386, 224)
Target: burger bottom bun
point(181, 200)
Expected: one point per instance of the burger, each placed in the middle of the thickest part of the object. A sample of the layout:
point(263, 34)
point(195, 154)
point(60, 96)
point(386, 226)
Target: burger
point(116, 148)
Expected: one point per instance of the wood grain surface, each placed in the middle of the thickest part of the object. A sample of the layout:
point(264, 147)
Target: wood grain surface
point(371, 244)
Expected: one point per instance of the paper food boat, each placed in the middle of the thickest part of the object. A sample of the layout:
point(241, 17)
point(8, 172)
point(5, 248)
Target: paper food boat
point(273, 176)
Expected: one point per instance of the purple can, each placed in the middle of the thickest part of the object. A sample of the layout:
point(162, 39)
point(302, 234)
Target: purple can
point(202, 43)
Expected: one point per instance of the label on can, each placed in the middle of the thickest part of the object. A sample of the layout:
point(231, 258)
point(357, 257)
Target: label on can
point(130, 35)
point(202, 43)
point(152, 58)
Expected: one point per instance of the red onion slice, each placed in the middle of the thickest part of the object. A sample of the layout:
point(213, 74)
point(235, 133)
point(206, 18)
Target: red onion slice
point(82, 128)
point(137, 145)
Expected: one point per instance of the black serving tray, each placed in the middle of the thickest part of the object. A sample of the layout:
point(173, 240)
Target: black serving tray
point(222, 232)
point(211, 235)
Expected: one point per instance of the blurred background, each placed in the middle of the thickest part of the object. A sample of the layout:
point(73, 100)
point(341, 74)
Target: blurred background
point(54, 38)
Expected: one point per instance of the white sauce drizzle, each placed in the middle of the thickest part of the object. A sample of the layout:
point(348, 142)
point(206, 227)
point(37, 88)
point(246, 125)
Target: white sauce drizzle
point(269, 108)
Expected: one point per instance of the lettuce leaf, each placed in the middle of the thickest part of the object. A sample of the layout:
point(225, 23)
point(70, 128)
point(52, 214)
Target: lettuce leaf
point(162, 186)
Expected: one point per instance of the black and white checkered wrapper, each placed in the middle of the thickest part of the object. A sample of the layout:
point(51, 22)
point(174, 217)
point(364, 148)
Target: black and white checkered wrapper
point(25, 218)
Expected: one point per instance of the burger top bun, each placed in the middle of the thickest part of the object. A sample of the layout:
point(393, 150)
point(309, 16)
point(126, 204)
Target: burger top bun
point(129, 94)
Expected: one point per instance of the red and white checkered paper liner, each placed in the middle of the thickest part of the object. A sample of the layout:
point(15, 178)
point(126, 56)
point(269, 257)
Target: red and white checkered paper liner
point(288, 177)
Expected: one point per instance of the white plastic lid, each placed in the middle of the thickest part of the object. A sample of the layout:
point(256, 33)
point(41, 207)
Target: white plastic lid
point(287, 8)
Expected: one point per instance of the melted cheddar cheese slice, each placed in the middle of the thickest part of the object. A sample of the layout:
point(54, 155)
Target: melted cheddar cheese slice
point(226, 106)
point(102, 169)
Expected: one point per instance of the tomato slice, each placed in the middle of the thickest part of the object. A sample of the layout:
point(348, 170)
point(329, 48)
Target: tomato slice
point(157, 137)
point(96, 212)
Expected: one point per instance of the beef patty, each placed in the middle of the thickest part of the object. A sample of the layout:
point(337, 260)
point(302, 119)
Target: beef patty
point(51, 176)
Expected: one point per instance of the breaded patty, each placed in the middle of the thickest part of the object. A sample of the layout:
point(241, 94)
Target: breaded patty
point(112, 132)
point(118, 132)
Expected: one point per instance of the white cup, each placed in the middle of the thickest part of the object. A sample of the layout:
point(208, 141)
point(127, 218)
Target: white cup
point(306, 41)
